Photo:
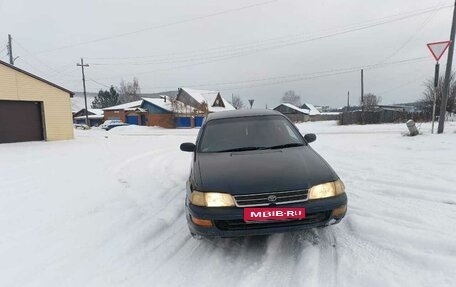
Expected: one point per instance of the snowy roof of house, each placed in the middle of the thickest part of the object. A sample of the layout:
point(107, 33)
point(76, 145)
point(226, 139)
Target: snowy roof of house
point(89, 116)
point(331, 113)
point(312, 109)
point(98, 112)
point(130, 105)
point(291, 106)
point(141, 110)
point(168, 106)
point(159, 102)
point(209, 97)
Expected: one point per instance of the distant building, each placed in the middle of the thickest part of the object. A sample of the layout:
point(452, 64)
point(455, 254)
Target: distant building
point(199, 99)
point(294, 113)
point(131, 113)
point(95, 117)
point(77, 101)
point(323, 109)
point(168, 113)
point(311, 108)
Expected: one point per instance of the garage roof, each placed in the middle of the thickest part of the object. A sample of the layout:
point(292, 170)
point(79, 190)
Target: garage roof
point(36, 77)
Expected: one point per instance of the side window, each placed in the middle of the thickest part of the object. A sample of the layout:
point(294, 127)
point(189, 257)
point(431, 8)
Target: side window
point(292, 133)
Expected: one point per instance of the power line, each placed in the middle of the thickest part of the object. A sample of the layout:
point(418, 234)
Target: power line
point(269, 43)
point(276, 46)
point(423, 24)
point(198, 18)
point(54, 71)
point(4, 48)
point(36, 58)
point(21, 59)
point(290, 78)
point(101, 84)
point(402, 85)
point(328, 74)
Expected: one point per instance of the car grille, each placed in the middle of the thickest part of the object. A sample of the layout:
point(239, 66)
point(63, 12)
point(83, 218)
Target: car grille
point(311, 219)
point(261, 199)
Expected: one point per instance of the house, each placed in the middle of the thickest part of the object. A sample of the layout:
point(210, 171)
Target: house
point(294, 113)
point(169, 113)
point(32, 108)
point(323, 109)
point(131, 113)
point(95, 117)
point(78, 102)
point(311, 108)
point(203, 100)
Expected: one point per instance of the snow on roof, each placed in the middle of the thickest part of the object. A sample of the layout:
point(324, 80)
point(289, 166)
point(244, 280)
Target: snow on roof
point(330, 113)
point(90, 117)
point(141, 110)
point(209, 97)
point(313, 110)
point(96, 111)
point(159, 102)
point(134, 104)
point(168, 106)
point(304, 111)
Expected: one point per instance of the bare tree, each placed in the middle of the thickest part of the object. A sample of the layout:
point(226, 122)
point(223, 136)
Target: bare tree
point(129, 92)
point(237, 102)
point(371, 101)
point(428, 96)
point(204, 108)
point(291, 97)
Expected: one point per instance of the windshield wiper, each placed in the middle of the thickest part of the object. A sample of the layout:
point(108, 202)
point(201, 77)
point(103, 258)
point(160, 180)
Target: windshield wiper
point(285, 145)
point(242, 149)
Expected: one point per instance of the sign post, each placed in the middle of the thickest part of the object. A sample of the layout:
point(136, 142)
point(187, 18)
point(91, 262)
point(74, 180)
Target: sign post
point(437, 50)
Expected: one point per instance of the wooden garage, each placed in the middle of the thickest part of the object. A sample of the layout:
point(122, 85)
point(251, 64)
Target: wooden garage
point(32, 108)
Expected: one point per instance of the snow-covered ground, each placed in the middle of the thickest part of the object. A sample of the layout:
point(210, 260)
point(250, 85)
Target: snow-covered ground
point(106, 209)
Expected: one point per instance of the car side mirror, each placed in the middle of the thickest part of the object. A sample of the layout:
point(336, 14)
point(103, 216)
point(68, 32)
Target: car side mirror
point(310, 138)
point(190, 147)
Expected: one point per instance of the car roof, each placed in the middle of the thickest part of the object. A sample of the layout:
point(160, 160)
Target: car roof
point(242, 113)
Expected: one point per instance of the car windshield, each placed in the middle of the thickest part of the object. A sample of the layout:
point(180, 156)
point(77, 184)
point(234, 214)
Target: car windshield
point(249, 133)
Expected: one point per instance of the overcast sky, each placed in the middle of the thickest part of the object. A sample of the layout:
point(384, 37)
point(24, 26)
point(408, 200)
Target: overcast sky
point(257, 49)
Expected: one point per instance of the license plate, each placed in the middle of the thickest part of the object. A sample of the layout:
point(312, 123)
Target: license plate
point(262, 214)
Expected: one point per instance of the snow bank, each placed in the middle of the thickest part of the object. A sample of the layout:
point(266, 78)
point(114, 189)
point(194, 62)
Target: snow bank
point(107, 209)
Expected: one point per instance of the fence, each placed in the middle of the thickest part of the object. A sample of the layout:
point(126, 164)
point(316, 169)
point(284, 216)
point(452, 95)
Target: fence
point(381, 116)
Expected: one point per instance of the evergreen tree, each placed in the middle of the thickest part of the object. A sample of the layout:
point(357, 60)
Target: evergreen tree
point(106, 99)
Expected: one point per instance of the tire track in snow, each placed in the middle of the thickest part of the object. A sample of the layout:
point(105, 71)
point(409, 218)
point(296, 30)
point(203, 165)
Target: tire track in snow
point(248, 256)
point(160, 231)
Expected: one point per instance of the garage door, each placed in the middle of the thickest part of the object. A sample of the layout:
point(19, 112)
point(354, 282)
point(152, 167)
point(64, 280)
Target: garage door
point(199, 121)
point(183, 122)
point(20, 121)
point(132, 120)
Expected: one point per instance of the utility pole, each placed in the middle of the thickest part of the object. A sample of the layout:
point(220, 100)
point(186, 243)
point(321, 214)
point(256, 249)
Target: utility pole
point(10, 49)
point(446, 83)
point(82, 65)
point(362, 96)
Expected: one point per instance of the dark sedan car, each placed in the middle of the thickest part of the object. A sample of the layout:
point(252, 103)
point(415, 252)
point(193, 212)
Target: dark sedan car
point(253, 173)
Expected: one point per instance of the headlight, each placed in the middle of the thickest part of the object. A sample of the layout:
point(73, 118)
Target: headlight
point(211, 199)
point(327, 189)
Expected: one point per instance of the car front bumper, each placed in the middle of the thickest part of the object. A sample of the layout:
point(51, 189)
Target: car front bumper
point(229, 222)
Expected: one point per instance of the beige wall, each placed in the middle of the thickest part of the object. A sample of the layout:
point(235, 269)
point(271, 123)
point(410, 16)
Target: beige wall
point(17, 86)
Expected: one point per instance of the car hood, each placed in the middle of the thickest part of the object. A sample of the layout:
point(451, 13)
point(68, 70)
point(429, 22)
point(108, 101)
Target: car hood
point(261, 171)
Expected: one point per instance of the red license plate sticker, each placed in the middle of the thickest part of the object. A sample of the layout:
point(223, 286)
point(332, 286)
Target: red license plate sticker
point(274, 213)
